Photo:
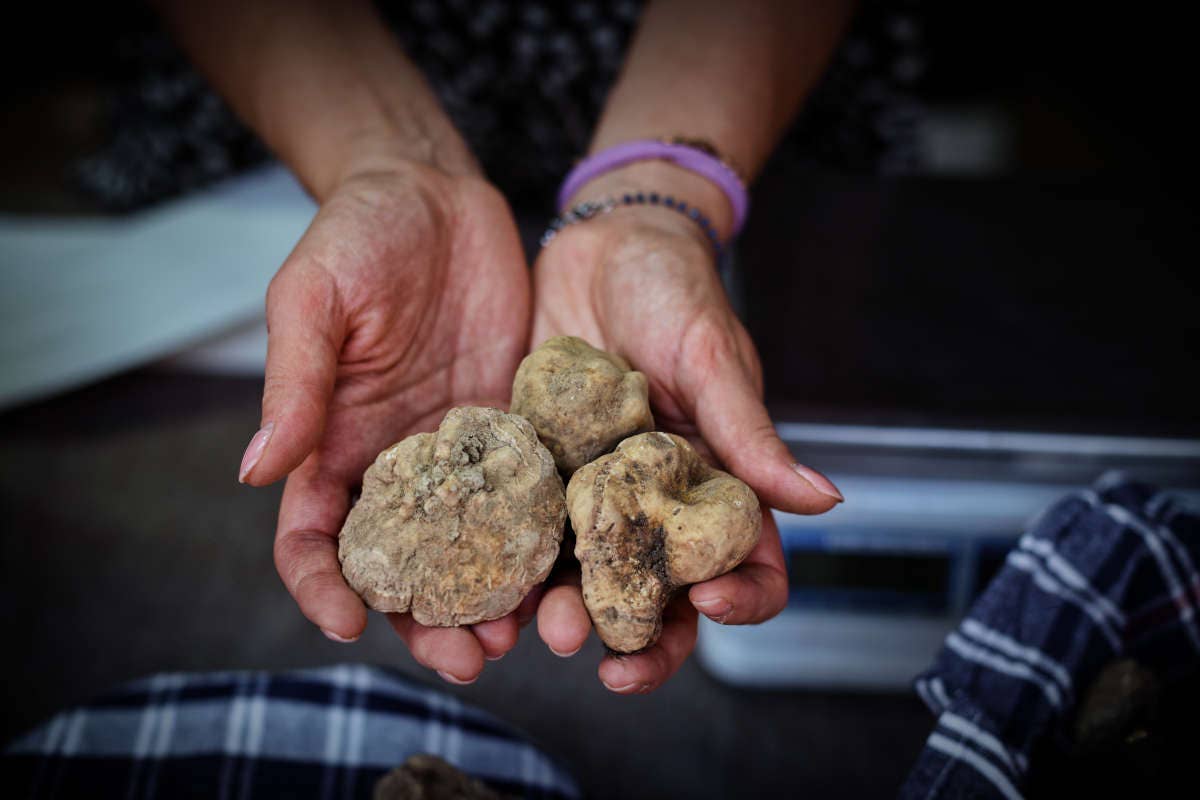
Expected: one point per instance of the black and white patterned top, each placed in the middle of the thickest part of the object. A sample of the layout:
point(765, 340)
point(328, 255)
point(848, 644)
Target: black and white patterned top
point(523, 81)
point(320, 733)
point(1105, 575)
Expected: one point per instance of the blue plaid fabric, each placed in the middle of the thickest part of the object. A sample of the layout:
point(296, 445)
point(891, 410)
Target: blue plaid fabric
point(1106, 573)
point(320, 733)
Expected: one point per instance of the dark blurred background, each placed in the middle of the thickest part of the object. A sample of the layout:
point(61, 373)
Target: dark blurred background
point(1035, 273)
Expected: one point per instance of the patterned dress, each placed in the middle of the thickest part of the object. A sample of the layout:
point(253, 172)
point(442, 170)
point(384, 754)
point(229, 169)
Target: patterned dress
point(523, 81)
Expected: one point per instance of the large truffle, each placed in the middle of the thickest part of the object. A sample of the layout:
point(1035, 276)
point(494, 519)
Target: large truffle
point(650, 518)
point(456, 526)
point(582, 401)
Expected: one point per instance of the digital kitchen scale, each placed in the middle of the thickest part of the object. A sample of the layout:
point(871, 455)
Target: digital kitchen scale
point(878, 582)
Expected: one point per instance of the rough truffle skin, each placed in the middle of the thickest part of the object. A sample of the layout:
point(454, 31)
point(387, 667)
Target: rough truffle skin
point(426, 777)
point(650, 518)
point(456, 526)
point(582, 401)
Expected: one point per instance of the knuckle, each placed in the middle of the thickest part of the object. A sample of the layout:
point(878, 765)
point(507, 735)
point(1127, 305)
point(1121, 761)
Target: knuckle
point(762, 431)
point(275, 289)
point(423, 647)
point(275, 385)
point(663, 666)
point(773, 597)
point(563, 598)
point(301, 557)
point(709, 341)
point(303, 290)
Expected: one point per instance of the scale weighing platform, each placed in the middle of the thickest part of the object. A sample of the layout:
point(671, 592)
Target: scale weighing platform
point(877, 583)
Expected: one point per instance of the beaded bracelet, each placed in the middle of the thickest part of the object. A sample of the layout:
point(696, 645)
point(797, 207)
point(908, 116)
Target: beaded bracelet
point(696, 156)
point(592, 208)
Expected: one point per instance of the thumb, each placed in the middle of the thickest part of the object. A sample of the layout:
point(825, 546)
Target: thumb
point(734, 422)
point(305, 332)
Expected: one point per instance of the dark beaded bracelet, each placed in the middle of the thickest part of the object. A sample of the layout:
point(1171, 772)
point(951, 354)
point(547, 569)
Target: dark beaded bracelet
point(592, 208)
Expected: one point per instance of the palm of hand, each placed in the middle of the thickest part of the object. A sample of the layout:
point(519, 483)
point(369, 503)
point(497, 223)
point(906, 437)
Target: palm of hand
point(650, 293)
point(432, 302)
point(404, 298)
point(654, 297)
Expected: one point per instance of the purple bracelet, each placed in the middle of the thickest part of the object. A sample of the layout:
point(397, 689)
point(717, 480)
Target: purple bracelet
point(688, 157)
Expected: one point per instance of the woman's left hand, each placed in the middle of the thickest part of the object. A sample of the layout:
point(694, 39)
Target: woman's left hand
point(641, 282)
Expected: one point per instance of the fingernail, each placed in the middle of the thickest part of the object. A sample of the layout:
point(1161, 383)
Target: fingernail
point(446, 676)
point(494, 658)
point(716, 609)
point(339, 639)
point(565, 655)
point(818, 482)
point(254, 450)
point(626, 689)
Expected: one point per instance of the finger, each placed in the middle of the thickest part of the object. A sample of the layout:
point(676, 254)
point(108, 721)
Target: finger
point(306, 554)
point(732, 418)
point(454, 653)
point(755, 591)
point(304, 338)
point(646, 671)
point(562, 619)
point(497, 636)
point(528, 608)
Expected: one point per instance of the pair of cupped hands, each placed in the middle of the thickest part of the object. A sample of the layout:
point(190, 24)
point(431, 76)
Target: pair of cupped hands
point(409, 295)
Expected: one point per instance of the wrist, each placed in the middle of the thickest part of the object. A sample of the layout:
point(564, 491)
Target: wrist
point(325, 86)
point(666, 179)
point(378, 150)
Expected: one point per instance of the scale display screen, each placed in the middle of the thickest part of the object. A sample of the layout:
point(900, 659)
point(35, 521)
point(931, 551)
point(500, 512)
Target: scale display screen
point(845, 580)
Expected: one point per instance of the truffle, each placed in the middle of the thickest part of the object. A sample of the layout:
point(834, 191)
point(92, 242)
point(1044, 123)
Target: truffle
point(650, 518)
point(582, 401)
point(426, 777)
point(456, 526)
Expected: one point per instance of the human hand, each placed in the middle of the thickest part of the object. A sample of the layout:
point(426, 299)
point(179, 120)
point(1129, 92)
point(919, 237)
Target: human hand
point(407, 295)
point(641, 282)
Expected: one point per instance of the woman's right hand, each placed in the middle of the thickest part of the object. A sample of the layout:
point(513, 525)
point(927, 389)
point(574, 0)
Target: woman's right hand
point(407, 295)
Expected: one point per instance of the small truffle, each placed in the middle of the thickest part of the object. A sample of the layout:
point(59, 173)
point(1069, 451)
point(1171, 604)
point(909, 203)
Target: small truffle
point(581, 401)
point(426, 777)
point(650, 518)
point(458, 525)
point(1122, 699)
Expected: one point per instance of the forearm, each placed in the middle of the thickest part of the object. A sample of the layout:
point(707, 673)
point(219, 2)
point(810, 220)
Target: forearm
point(733, 74)
point(324, 84)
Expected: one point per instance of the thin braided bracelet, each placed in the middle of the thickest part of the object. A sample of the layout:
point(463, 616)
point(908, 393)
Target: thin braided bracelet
point(695, 156)
point(594, 208)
